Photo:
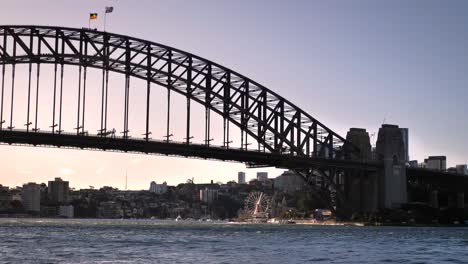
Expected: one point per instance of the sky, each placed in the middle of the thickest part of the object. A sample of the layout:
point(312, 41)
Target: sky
point(347, 63)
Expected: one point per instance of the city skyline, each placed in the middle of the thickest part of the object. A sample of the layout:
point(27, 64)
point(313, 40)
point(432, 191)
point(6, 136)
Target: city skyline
point(406, 80)
point(253, 175)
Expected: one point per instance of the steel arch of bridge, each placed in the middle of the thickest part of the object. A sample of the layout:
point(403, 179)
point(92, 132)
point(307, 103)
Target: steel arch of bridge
point(275, 123)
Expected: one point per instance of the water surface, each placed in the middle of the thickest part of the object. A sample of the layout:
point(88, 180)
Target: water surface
point(147, 241)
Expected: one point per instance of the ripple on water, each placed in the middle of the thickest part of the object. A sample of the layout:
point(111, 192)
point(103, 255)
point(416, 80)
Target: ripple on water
point(128, 241)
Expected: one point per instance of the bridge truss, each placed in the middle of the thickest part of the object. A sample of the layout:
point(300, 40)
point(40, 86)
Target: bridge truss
point(277, 125)
point(283, 133)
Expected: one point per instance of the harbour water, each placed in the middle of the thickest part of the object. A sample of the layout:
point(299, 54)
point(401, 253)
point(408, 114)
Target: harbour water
point(148, 241)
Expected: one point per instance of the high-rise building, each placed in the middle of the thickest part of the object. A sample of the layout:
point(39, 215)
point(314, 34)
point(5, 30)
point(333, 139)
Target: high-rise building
point(58, 191)
point(158, 188)
point(241, 177)
point(462, 169)
point(436, 163)
point(31, 197)
point(262, 176)
point(404, 131)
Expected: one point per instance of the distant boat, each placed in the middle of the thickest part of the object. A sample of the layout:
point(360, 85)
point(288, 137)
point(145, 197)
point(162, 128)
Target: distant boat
point(178, 218)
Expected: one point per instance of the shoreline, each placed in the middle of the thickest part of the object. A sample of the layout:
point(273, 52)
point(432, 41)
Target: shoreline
point(301, 222)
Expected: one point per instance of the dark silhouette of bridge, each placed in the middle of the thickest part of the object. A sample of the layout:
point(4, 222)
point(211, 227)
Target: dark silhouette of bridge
point(283, 134)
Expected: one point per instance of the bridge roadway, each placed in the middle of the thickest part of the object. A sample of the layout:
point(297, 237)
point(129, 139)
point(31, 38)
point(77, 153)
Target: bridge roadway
point(438, 179)
point(120, 144)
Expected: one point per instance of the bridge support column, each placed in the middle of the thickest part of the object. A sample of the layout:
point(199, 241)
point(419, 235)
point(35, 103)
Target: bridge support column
point(361, 188)
point(434, 199)
point(452, 200)
point(392, 180)
point(370, 189)
point(461, 200)
point(353, 191)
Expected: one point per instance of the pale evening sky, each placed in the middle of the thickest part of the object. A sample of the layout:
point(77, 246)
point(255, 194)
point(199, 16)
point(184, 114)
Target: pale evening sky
point(347, 63)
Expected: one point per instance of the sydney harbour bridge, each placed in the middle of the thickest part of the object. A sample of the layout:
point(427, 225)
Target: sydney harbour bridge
point(86, 89)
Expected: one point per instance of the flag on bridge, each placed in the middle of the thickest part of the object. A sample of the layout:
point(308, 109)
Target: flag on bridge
point(93, 16)
point(109, 9)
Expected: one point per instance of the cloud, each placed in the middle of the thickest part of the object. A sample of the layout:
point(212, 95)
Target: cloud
point(25, 172)
point(100, 170)
point(66, 171)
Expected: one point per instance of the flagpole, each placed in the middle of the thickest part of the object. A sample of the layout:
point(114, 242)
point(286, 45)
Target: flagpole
point(105, 15)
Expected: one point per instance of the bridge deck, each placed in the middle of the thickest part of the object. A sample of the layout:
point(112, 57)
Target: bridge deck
point(119, 144)
point(443, 180)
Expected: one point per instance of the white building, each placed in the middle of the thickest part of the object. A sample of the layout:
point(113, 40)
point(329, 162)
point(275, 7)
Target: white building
point(262, 176)
point(158, 188)
point(67, 211)
point(208, 195)
point(436, 163)
point(241, 177)
point(31, 197)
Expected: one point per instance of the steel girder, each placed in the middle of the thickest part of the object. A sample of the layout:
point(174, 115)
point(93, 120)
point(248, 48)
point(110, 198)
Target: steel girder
point(180, 149)
point(275, 123)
